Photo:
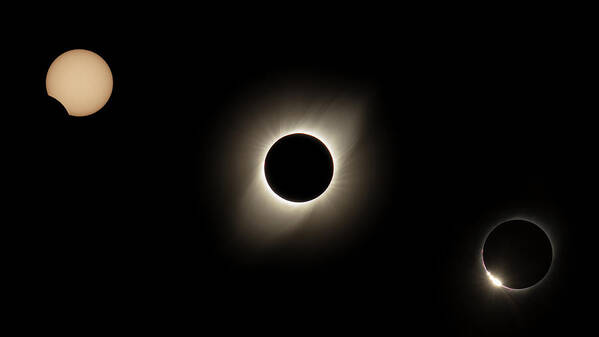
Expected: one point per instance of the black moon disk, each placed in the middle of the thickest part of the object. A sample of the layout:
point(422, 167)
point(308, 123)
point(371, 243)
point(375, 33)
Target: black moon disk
point(298, 167)
point(518, 253)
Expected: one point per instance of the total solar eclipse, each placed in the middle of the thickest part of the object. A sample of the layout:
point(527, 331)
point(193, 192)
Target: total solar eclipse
point(517, 254)
point(298, 167)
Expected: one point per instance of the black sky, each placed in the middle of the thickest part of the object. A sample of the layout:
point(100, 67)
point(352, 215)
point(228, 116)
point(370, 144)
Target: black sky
point(479, 123)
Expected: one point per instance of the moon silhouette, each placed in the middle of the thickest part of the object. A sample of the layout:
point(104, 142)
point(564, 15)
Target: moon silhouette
point(81, 81)
point(298, 167)
point(517, 254)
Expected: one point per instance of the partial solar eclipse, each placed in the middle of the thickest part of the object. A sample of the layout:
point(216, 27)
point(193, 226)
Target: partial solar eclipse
point(81, 81)
point(298, 167)
point(517, 254)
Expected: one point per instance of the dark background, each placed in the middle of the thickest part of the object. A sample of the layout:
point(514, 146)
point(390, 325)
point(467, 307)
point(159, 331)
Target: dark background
point(117, 218)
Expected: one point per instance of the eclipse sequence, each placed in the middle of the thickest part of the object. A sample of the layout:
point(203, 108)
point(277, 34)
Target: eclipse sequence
point(297, 159)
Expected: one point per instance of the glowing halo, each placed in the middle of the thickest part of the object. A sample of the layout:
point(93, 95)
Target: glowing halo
point(335, 117)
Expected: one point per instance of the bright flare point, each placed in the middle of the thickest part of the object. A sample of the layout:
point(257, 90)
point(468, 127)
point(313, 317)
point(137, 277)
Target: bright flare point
point(496, 282)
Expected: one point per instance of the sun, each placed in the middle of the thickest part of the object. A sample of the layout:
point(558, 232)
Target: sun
point(336, 118)
point(496, 282)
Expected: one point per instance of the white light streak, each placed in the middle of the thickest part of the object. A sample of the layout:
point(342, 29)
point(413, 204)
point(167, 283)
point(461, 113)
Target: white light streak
point(496, 282)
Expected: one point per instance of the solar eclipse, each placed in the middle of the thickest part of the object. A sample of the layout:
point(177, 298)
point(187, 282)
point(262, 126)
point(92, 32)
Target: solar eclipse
point(517, 254)
point(300, 164)
point(81, 81)
point(437, 134)
point(298, 167)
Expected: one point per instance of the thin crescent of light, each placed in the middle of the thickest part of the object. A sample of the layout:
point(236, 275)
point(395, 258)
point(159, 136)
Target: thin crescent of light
point(547, 232)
